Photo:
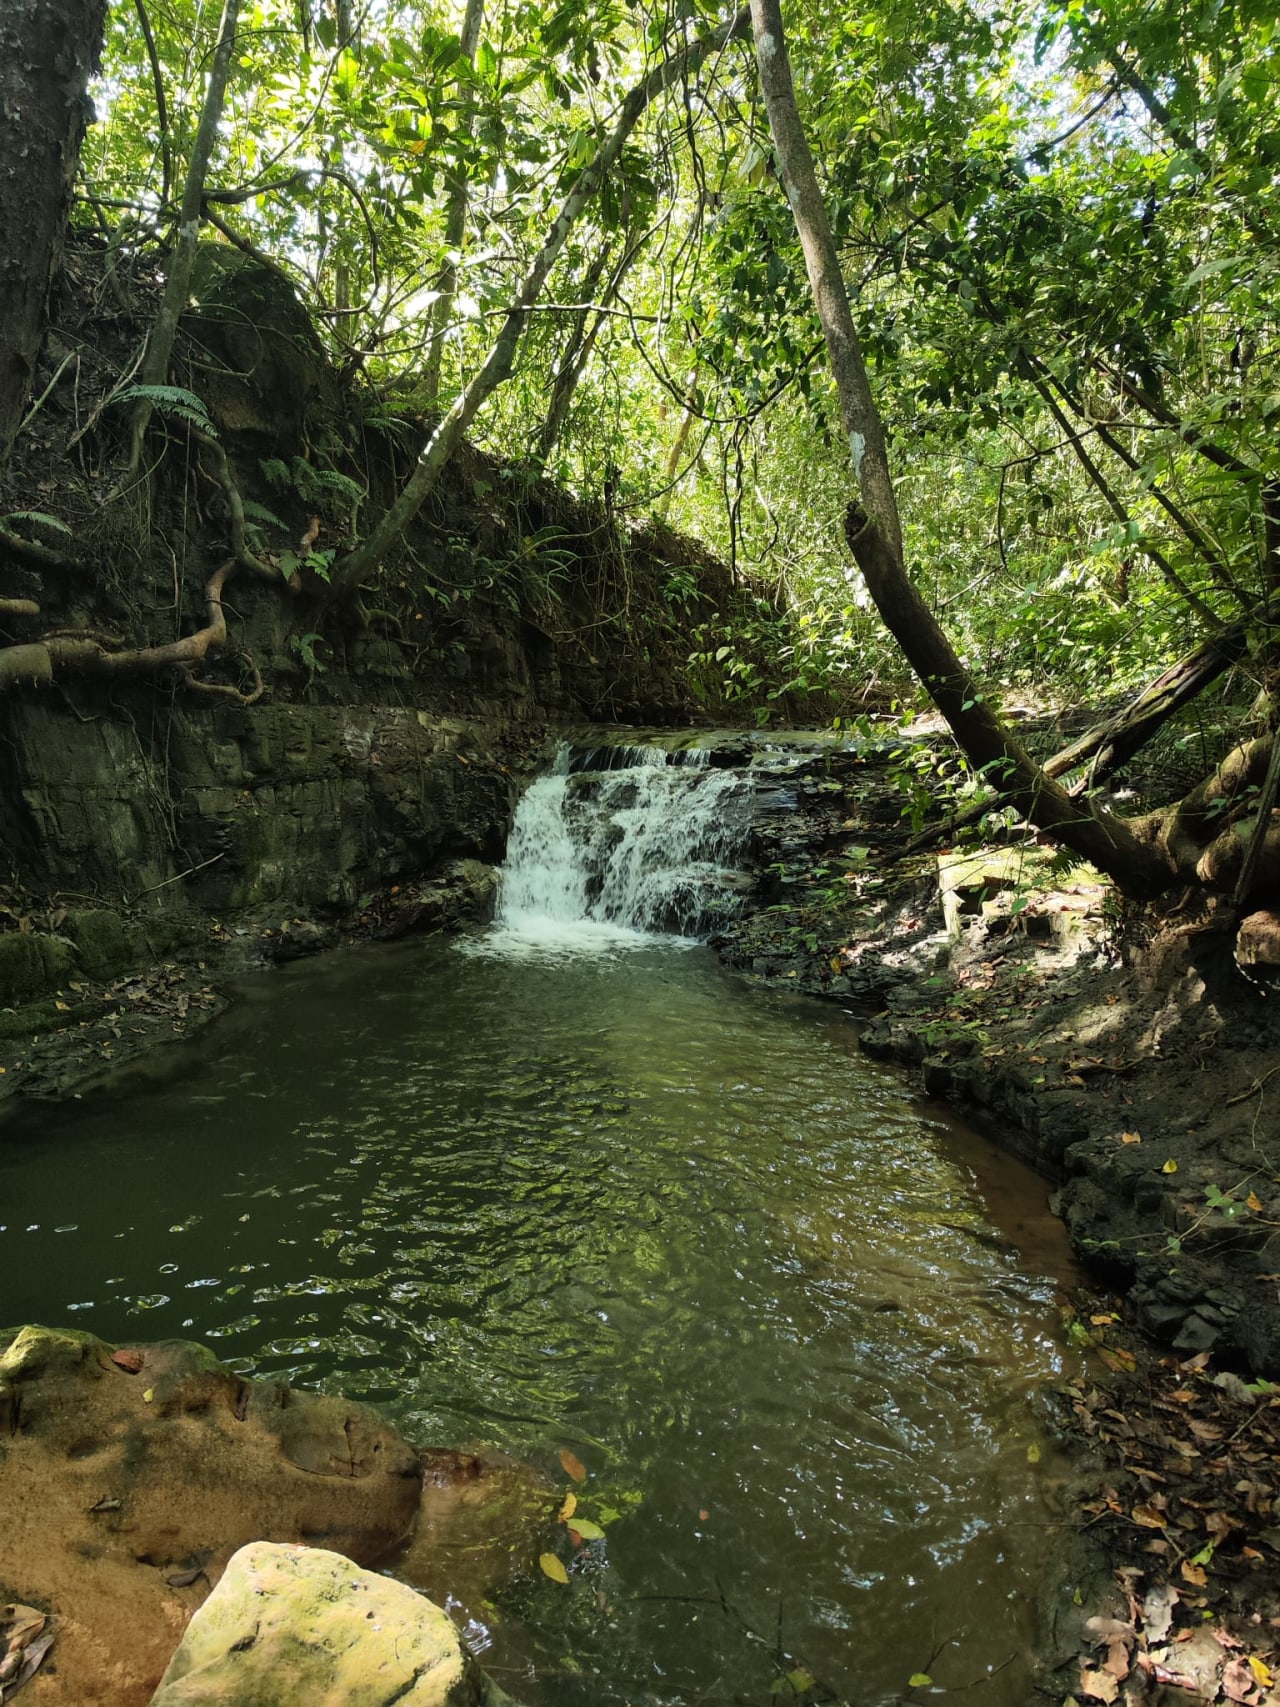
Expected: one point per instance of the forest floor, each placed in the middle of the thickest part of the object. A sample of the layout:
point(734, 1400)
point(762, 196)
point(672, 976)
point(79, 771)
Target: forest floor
point(1139, 1070)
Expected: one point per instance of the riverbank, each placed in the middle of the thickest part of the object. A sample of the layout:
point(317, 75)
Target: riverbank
point(1131, 1062)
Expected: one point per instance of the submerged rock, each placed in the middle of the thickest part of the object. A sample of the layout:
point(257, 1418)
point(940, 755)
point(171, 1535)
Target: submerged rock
point(302, 1627)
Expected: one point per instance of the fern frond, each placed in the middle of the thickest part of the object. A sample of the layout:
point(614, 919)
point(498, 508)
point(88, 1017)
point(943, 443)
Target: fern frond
point(171, 400)
point(40, 517)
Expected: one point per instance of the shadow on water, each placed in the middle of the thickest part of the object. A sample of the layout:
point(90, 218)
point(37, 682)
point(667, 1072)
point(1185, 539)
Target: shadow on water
point(619, 1203)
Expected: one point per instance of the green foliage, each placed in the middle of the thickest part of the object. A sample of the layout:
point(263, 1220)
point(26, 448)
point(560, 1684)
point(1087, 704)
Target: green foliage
point(1060, 229)
point(174, 402)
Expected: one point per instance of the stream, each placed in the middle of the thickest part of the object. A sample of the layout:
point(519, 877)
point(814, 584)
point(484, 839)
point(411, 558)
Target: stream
point(566, 1186)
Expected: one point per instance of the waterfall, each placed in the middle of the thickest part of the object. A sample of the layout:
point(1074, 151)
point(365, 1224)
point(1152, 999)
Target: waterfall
point(620, 841)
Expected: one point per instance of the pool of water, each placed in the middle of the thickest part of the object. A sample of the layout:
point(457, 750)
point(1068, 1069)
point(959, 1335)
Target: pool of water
point(619, 1203)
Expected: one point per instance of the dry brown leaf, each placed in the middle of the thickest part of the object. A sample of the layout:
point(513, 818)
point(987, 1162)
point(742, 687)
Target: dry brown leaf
point(1098, 1685)
point(1238, 1682)
point(1149, 1517)
point(1193, 1574)
point(572, 1465)
point(128, 1359)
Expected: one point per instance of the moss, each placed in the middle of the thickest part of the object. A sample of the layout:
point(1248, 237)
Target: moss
point(105, 945)
point(32, 1349)
point(31, 965)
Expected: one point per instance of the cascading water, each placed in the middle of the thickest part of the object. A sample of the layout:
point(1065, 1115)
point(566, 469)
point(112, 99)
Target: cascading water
point(643, 841)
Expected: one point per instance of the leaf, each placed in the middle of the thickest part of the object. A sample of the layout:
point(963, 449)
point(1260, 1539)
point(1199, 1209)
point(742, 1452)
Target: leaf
point(919, 1680)
point(148, 1395)
point(127, 1359)
point(572, 1465)
point(1099, 1684)
point(587, 1531)
point(568, 1508)
point(552, 1567)
point(1193, 1574)
point(1260, 1671)
point(1170, 1167)
point(1149, 1517)
point(1131, 1137)
point(1254, 1202)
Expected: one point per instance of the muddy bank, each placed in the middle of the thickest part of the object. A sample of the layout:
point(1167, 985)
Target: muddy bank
point(131, 1474)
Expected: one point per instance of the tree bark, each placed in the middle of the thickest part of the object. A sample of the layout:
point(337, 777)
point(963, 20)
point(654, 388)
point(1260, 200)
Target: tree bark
point(177, 284)
point(874, 532)
point(498, 365)
point(455, 227)
point(48, 51)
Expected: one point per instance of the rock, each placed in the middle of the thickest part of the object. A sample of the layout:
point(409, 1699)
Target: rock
point(302, 1627)
point(129, 1477)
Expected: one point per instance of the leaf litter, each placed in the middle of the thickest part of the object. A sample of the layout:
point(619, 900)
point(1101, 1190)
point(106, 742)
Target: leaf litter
point(1188, 1505)
point(25, 1639)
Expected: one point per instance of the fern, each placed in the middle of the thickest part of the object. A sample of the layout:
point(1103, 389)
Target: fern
point(171, 400)
point(275, 472)
point(313, 483)
point(256, 512)
point(40, 517)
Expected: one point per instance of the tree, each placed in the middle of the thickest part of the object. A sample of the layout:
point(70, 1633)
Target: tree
point(874, 529)
point(48, 51)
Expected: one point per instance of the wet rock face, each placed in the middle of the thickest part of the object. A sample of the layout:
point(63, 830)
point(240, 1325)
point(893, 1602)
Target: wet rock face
point(302, 1627)
point(129, 1475)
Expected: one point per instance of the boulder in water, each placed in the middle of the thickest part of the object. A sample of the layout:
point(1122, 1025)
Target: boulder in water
point(302, 1627)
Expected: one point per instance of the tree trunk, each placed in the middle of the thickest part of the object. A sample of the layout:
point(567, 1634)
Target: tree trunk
point(177, 284)
point(455, 228)
point(498, 365)
point(48, 51)
point(874, 531)
point(577, 351)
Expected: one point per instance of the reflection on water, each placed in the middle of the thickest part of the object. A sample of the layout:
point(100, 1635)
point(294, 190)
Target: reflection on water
point(621, 1204)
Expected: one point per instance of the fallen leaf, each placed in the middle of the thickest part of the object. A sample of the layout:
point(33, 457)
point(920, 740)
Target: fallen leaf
point(572, 1465)
point(1157, 1612)
point(1098, 1684)
point(1170, 1167)
point(1193, 1574)
point(1149, 1517)
point(568, 1508)
point(552, 1567)
point(587, 1531)
point(127, 1359)
point(1260, 1671)
point(1254, 1202)
point(1131, 1137)
point(1238, 1682)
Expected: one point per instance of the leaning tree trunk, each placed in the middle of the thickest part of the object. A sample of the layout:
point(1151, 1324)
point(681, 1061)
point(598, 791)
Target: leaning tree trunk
point(499, 364)
point(48, 51)
point(177, 284)
point(874, 531)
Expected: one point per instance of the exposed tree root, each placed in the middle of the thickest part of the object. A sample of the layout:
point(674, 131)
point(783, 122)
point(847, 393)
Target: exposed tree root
point(1201, 839)
point(66, 656)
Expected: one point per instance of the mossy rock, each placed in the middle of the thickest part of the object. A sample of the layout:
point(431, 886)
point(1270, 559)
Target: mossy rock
point(31, 965)
point(249, 318)
point(105, 944)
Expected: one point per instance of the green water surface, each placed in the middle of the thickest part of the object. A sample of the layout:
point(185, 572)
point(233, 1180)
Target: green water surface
point(621, 1203)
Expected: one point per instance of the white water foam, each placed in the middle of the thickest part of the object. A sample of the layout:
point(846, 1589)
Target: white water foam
point(605, 859)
